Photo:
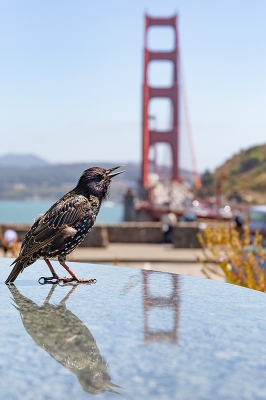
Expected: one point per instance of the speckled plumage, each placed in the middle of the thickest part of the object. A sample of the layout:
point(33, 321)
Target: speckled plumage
point(63, 227)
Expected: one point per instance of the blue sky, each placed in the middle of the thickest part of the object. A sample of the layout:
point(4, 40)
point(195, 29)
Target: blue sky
point(71, 77)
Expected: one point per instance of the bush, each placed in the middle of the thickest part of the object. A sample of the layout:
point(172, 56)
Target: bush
point(229, 254)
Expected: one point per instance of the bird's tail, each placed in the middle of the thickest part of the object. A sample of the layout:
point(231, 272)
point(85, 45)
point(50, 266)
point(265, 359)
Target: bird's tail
point(20, 264)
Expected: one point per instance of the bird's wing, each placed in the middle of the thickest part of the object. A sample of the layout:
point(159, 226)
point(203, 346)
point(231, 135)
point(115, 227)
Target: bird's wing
point(62, 215)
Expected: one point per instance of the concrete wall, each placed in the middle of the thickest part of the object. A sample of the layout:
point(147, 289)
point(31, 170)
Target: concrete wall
point(98, 237)
point(135, 232)
point(184, 233)
point(21, 229)
point(101, 235)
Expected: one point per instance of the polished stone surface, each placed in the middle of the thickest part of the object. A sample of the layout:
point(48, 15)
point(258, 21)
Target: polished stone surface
point(154, 335)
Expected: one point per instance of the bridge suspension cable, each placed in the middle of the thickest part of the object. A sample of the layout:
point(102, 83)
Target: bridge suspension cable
point(197, 180)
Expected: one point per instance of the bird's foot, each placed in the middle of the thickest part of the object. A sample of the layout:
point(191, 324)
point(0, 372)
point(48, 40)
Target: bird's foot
point(63, 280)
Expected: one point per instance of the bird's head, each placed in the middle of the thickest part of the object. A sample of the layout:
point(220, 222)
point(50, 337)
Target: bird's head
point(96, 181)
point(95, 377)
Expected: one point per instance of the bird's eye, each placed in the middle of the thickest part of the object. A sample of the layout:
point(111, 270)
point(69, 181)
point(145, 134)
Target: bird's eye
point(98, 178)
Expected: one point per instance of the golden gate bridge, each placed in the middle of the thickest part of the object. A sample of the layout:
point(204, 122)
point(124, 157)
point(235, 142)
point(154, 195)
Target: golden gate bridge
point(159, 195)
point(151, 137)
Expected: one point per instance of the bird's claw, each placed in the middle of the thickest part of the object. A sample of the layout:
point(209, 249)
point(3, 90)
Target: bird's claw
point(74, 282)
point(91, 281)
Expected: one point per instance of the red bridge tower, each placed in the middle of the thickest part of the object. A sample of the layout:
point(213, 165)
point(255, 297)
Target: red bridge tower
point(151, 137)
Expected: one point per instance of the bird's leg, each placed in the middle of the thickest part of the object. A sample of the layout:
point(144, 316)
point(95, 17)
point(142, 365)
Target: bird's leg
point(46, 301)
point(51, 268)
point(57, 279)
point(62, 302)
point(74, 276)
point(51, 279)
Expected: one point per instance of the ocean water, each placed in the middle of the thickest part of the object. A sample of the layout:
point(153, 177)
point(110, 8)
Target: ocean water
point(24, 212)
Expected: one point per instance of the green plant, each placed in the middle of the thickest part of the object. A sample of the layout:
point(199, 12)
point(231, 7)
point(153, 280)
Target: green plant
point(228, 254)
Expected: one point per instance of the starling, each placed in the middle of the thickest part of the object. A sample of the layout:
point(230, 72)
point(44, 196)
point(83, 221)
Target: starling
point(63, 227)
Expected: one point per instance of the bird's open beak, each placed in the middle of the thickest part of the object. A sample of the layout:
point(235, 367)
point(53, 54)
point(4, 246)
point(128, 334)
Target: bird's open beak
point(108, 172)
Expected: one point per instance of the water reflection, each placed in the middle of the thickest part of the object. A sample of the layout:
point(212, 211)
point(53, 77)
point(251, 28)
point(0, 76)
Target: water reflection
point(168, 303)
point(66, 338)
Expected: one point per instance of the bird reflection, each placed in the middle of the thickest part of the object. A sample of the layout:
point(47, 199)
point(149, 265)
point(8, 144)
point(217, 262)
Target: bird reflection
point(66, 338)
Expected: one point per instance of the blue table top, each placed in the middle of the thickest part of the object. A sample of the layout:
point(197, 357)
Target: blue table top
point(143, 334)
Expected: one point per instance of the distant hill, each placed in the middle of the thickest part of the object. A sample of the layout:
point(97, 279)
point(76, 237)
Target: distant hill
point(243, 174)
point(51, 181)
point(22, 160)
